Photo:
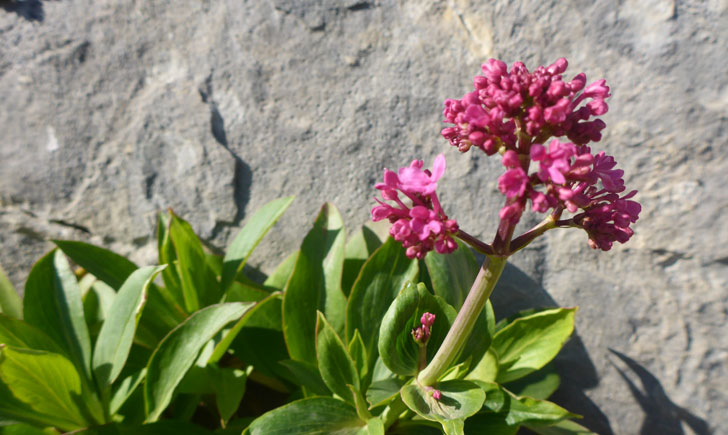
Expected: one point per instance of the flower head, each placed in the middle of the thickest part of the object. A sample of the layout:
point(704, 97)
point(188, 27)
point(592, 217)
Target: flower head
point(422, 333)
point(421, 226)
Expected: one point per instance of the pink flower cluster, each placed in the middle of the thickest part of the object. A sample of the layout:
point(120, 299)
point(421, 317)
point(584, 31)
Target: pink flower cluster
point(422, 333)
point(539, 103)
point(423, 226)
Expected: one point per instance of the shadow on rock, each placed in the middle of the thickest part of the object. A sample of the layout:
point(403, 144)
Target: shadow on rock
point(662, 416)
point(31, 10)
point(516, 292)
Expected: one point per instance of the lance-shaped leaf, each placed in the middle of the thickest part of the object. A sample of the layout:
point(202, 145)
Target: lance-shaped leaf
point(248, 238)
point(458, 401)
point(315, 285)
point(10, 302)
point(565, 427)
point(316, 415)
point(179, 350)
point(50, 386)
point(229, 390)
point(398, 349)
point(53, 304)
point(199, 284)
point(17, 333)
point(279, 278)
point(117, 332)
point(381, 279)
point(529, 343)
point(335, 364)
point(521, 410)
point(359, 248)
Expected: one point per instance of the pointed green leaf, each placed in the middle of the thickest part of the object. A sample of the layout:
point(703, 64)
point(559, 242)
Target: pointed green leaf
point(124, 389)
point(521, 410)
point(117, 332)
point(10, 302)
point(380, 392)
point(335, 364)
point(565, 427)
point(529, 343)
point(358, 353)
point(167, 255)
point(49, 384)
point(315, 285)
point(279, 278)
point(459, 400)
point(308, 376)
point(452, 274)
point(178, 351)
point(17, 333)
point(538, 385)
point(398, 349)
point(359, 248)
point(229, 391)
point(316, 415)
point(248, 238)
point(381, 279)
point(53, 304)
point(199, 284)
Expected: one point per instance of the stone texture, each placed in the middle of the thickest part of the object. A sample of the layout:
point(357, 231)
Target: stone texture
point(115, 110)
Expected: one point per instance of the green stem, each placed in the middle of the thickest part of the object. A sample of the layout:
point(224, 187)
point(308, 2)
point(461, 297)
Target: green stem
point(483, 286)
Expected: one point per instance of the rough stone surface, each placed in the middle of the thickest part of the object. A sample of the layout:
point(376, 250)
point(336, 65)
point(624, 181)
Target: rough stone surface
point(114, 110)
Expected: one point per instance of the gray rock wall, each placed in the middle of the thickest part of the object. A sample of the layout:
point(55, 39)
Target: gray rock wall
point(114, 110)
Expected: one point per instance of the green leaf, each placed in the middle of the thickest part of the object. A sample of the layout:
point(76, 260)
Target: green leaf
point(279, 278)
point(358, 353)
point(381, 392)
point(491, 424)
point(521, 410)
point(248, 238)
point(229, 389)
point(167, 255)
point(53, 304)
point(381, 279)
point(260, 340)
point(50, 386)
point(166, 427)
point(538, 385)
point(404, 427)
point(307, 375)
point(117, 332)
point(359, 248)
point(199, 284)
point(97, 301)
point(530, 342)
point(459, 400)
point(398, 349)
point(565, 427)
point(315, 285)
point(178, 351)
point(452, 274)
point(335, 364)
point(316, 415)
point(10, 302)
point(486, 369)
point(26, 429)
point(124, 390)
point(17, 333)
point(105, 265)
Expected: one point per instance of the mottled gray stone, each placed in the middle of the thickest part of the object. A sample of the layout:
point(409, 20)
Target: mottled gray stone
point(115, 110)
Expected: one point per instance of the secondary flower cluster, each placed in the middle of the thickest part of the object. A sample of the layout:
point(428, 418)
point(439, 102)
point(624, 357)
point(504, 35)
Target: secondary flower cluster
point(423, 226)
point(422, 333)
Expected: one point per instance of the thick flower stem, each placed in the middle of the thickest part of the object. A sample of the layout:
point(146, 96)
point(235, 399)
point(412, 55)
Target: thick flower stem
point(483, 286)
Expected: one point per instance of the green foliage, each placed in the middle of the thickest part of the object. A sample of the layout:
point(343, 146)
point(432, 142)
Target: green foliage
point(321, 345)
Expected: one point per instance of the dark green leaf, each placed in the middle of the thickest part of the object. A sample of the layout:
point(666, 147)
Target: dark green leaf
point(315, 285)
point(124, 390)
point(53, 304)
point(459, 400)
point(199, 284)
point(308, 376)
point(105, 265)
point(229, 389)
point(398, 349)
point(358, 353)
point(381, 279)
point(178, 351)
point(117, 332)
point(316, 415)
point(10, 302)
point(49, 384)
point(380, 392)
point(335, 364)
point(538, 385)
point(359, 248)
point(565, 427)
point(452, 274)
point(491, 424)
point(249, 237)
point(240, 292)
point(166, 427)
point(167, 255)
point(404, 427)
point(521, 410)
point(530, 342)
point(25, 429)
